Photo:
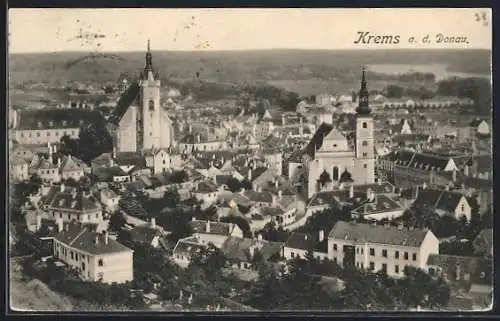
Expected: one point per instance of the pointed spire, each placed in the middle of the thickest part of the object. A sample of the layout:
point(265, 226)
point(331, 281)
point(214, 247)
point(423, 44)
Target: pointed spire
point(363, 106)
point(149, 59)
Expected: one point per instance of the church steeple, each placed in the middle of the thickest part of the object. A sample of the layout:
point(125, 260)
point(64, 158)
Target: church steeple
point(363, 105)
point(149, 59)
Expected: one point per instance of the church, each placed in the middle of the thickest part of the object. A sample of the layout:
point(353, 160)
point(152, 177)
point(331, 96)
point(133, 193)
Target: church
point(334, 159)
point(139, 123)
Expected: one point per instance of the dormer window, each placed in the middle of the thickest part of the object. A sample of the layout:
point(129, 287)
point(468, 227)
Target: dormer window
point(151, 105)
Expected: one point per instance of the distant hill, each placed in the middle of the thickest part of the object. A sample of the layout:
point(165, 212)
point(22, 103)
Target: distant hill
point(235, 66)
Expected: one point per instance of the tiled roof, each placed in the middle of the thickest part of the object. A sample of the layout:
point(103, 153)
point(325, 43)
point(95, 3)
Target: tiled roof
point(411, 138)
point(44, 163)
point(271, 211)
point(70, 199)
point(144, 233)
point(219, 228)
point(484, 163)
point(305, 241)
point(206, 187)
point(84, 240)
point(359, 232)
point(236, 248)
point(381, 204)
point(188, 246)
point(71, 164)
point(484, 241)
point(56, 118)
point(130, 159)
point(438, 199)
point(335, 197)
point(261, 197)
point(317, 140)
point(429, 161)
point(125, 101)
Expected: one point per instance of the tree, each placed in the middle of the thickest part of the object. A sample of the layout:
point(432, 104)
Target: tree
point(117, 221)
point(179, 177)
point(233, 185)
point(241, 222)
point(394, 91)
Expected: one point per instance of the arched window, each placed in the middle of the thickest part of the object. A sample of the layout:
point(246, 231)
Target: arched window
point(335, 173)
point(151, 105)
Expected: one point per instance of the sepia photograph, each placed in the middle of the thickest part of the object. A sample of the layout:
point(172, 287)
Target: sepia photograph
point(250, 160)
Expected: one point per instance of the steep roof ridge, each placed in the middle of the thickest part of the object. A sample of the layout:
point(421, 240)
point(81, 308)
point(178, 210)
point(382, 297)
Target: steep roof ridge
point(83, 231)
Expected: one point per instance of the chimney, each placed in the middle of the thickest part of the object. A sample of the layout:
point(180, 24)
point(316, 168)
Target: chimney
point(259, 237)
point(105, 237)
point(60, 225)
point(424, 185)
point(417, 190)
point(454, 176)
point(466, 170)
point(96, 239)
point(61, 187)
point(242, 190)
point(305, 237)
point(276, 183)
point(275, 200)
point(114, 153)
point(207, 229)
point(321, 235)
point(153, 222)
point(250, 174)
point(280, 194)
point(193, 218)
point(351, 191)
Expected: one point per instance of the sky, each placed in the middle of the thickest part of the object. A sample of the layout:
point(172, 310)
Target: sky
point(117, 30)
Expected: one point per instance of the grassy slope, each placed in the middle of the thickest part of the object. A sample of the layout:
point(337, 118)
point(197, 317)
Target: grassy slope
point(27, 294)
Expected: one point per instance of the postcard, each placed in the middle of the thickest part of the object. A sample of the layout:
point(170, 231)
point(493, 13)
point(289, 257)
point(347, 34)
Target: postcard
point(250, 160)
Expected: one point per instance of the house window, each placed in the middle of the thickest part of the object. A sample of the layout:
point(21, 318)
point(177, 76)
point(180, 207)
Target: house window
point(396, 269)
point(396, 255)
point(83, 266)
point(384, 267)
point(365, 165)
point(48, 134)
point(463, 208)
point(335, 260)
point(365, 143)
point(100, 275)
point(38, 134)
point(292, 254)
point(384, 253)
point(372, 266)
point(100, 262)
point(72, 255)
point(372, 252)
point(365, 154)
point(414, 256)
point(76, 256)
point(357, 250)
point(406, 255)
point(335, 247)
point(151, 105)
point(362, 251)
point(365, 125)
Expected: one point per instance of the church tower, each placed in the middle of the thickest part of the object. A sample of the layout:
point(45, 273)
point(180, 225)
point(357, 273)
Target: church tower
point(149, 129)
point(365, 142)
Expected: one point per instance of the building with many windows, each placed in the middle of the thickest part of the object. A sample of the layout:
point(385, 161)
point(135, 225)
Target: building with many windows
point(95, 256)
point(376, 248)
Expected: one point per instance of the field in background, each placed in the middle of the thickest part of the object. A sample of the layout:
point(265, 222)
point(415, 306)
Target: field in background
point(236, 66)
